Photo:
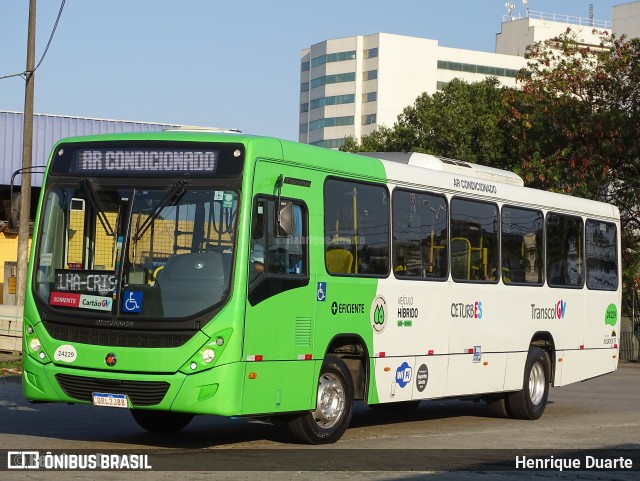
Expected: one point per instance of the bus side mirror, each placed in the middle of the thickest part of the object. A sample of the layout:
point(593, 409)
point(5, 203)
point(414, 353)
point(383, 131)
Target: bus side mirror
point(284, 219)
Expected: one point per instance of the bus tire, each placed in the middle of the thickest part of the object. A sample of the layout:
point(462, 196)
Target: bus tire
point(161, 421)
point(334, 406)
point(529, 403)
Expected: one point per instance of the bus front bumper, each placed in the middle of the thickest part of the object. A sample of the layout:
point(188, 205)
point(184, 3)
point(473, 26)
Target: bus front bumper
point(214, 391)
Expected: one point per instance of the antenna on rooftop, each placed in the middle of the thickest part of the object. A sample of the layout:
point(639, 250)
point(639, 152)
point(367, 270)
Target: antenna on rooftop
point(591, 14)
point(510, 7)
point(525, 4)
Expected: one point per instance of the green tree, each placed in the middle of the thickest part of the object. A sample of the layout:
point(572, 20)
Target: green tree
point(575, 125)
point(464, 121)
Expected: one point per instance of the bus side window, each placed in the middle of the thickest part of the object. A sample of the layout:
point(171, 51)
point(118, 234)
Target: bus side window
point(419, 235)
point(474, 224)
point(521, 244)
point(565, 264)
point(602, 263)
point(356, 228)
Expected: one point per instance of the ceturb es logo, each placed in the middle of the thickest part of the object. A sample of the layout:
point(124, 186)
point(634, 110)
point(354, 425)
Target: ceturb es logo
point(471, 310)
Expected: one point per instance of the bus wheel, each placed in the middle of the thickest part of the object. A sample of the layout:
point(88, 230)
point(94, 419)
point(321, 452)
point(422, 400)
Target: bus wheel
point(161, 421)
point(334, 406)
point(529, 403)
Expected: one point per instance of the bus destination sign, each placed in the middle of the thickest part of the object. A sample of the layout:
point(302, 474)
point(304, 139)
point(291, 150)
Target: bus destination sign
point(143, 160)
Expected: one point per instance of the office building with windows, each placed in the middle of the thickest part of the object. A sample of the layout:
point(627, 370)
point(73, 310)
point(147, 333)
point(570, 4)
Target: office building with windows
point(350, 86)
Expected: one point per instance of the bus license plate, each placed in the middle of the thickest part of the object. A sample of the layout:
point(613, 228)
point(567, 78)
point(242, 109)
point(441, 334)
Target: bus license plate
point(110, 400)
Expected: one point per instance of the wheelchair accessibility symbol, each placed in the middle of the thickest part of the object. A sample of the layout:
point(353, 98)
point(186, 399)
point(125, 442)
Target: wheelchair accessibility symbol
point(322, 291)
point(132, 301)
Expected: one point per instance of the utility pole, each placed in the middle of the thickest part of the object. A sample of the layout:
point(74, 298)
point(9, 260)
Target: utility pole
point(27, 149)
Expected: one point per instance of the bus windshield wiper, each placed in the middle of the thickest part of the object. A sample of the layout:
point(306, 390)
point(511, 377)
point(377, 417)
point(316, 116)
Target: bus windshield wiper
point(176, 190)
point(94, 200)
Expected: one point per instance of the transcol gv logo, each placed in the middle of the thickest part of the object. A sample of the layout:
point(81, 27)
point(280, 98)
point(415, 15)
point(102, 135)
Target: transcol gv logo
point(558, 311)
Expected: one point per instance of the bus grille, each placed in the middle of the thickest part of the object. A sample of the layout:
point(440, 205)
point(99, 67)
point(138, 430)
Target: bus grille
point(141, 393)
point(105, 337)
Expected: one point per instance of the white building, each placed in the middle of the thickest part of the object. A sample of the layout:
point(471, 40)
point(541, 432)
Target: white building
point(517, 33)
point(350, 86)
point(626, 19)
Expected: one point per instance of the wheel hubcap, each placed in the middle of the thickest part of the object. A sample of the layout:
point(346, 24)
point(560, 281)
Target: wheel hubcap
point(537, 382)
point(331, 401)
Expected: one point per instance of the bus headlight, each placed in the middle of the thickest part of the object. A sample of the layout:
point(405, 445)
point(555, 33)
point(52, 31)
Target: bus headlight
point(35, 345)
point(208, 355)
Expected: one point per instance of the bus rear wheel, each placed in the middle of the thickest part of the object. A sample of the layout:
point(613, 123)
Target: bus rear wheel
point(161, 421)
point(529, 403)
point(334, 406)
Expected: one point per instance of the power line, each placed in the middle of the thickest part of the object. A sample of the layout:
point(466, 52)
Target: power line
point(21, 74)
point(55, 26)
point(53, 31)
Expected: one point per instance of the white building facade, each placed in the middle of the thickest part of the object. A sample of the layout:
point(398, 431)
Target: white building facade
point(352, 85)
point(517, 33)
point(626, 19)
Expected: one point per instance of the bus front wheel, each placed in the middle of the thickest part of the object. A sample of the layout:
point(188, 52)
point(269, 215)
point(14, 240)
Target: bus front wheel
point(529, 403)
point(334, 406)
point(161, 421)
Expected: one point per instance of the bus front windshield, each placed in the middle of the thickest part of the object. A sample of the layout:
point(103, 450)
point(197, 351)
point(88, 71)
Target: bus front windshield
point(161, 252)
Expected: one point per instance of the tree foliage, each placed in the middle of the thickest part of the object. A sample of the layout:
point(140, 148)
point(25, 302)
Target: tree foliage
point(575, 126)
point(463, 121)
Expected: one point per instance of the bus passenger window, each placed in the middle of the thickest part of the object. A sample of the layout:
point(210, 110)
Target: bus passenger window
point(565, 265)
point(474, 241)
point(602, 259)
point(419, 235)
point(522, 246)
point(356, 228)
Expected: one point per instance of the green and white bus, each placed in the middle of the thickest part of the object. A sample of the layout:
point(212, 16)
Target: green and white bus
point(188, 272)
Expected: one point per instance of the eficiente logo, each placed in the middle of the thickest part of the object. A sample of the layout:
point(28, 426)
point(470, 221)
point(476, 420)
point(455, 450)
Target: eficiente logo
point(379, 314)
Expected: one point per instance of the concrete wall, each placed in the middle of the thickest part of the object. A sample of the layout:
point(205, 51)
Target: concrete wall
point(10, 328)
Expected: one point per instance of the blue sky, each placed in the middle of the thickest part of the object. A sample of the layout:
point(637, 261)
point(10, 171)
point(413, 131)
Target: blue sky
point(233, 63)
